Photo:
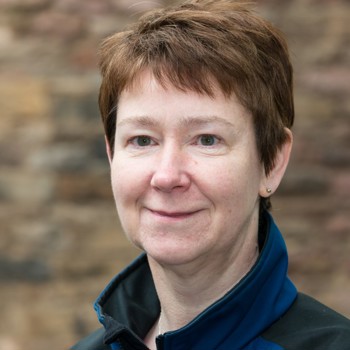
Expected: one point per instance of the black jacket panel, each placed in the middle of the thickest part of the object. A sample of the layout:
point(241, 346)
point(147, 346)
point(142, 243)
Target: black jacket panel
point(310, 325)
point(92, 342)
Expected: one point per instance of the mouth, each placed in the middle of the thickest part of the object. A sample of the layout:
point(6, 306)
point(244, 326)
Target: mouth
point(173, 215)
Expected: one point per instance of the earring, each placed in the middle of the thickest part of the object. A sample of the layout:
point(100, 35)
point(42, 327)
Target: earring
point(268, 190)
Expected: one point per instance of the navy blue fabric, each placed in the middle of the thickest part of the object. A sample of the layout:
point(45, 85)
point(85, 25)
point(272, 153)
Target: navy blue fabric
point(262, 344)
point(115, 346)
point(237, 320)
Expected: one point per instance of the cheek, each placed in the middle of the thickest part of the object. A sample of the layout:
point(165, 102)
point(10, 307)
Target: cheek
point(120, 185)
point(124, 196)
point(129, 180)
point(234, 183)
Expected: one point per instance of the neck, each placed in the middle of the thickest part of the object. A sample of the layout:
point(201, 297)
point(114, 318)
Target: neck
point(185, 291)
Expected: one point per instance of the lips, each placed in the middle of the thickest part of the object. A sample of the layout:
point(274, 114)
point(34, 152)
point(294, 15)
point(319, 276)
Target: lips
point(173, 214)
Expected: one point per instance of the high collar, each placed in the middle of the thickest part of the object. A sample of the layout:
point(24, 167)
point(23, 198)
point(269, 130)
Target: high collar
point(130, 306)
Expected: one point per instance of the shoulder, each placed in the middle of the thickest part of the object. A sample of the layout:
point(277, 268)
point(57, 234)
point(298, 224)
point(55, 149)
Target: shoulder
point(310, 325)
point(94, 341)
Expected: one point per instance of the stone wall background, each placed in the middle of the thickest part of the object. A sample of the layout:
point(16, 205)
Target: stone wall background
point(60, 239)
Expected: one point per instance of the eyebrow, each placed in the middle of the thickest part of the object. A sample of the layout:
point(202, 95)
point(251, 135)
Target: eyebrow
point(190, 121)
point(204, 120)
point(137, 120)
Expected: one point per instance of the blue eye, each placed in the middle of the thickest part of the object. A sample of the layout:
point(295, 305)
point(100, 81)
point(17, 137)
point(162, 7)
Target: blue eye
point(207, 140)
point(143, 141)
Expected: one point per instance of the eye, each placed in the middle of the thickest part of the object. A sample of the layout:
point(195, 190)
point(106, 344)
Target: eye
point(141, 141)
point(207, 140)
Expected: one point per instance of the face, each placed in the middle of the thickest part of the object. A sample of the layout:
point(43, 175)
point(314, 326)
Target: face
point(185, 173)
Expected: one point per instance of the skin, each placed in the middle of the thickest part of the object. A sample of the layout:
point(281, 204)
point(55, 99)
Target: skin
point(186, 179)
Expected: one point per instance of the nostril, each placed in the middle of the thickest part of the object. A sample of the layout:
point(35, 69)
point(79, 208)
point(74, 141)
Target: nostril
point(169, 180)
point(170, 170)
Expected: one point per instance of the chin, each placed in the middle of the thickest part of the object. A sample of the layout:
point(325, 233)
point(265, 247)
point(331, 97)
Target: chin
point(171, 256)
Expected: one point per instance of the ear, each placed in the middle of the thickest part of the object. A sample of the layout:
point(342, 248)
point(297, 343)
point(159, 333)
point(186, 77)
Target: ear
point(108, 150)
point(271, 182)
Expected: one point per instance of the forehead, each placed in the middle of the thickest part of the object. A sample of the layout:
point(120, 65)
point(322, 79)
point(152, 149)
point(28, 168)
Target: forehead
point(149, 95)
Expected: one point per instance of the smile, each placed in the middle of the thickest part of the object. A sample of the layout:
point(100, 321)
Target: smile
point(173, 215)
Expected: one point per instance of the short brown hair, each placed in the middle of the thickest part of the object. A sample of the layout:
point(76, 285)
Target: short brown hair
point(199, 43)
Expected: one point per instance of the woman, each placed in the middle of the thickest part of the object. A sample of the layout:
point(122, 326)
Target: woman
point(197, 105)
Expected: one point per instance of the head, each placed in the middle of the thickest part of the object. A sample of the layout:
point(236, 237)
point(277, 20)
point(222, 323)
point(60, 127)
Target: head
point(200, 45)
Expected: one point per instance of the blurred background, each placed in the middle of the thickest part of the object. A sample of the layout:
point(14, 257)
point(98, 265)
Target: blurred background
point(60, 238)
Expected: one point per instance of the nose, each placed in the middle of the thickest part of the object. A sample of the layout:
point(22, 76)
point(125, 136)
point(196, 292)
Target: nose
point(170, 170)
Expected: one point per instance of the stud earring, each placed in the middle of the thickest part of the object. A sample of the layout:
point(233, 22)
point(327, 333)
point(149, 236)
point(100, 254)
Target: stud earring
point(268, 190)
